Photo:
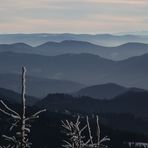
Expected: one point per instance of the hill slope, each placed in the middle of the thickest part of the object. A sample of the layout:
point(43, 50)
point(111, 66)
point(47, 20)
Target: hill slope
point(134, 102)
point(38, 87)
point(13, 97)
point(104, 91)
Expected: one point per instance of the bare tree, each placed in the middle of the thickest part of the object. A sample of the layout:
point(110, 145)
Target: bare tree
point(20, 121)
point(76, 138)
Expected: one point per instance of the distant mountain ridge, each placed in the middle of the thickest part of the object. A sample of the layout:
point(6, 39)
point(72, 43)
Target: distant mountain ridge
point(38, 87)
point(104, 91)
point(82, 68)
point(99, 39)
point(76, 47)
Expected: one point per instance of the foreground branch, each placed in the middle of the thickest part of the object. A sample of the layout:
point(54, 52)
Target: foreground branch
point(76, 139)
point(21, 122)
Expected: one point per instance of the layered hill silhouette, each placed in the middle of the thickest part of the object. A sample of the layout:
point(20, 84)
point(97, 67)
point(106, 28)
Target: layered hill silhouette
point(13, 97)
point(132, 102)
point(82, 68)
point(38, 87)
point(97, 79)
point(104, 91)
point(70, 46)
point(100, 39)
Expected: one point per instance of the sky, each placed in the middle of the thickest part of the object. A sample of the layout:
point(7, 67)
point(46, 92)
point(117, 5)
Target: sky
point(73, 16)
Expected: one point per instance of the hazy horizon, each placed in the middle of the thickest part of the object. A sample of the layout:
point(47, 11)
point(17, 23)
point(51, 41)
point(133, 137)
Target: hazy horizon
point(81, 33)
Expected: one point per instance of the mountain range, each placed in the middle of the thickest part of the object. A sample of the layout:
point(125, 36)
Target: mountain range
point(100, 39)
point(78, 74)
point(131, 102)
point(82, 68)
point(105, 91)
point(76, 47)
point(38, 87)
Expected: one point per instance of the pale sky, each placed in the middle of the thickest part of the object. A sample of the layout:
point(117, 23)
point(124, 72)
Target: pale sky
point(73, 16)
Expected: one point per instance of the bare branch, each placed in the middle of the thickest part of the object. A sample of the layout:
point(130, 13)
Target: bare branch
point(9, 109)
point(9, 114)
point(21, 139)
point(98, 130)
point(89, 130)
point(14, 125)
point(36, 115)
point(104, 139)
point(76, 140)
point(39, 112)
